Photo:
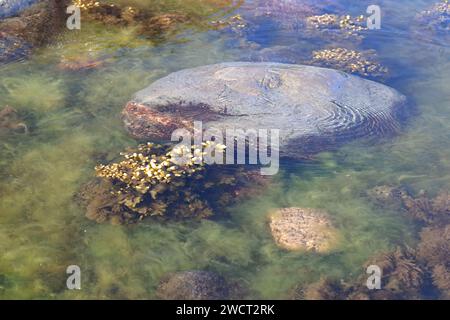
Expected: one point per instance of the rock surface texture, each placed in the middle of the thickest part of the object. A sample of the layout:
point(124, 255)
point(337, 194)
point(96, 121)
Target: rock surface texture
point(193, 285)
point(302, 229)
point(314, 108)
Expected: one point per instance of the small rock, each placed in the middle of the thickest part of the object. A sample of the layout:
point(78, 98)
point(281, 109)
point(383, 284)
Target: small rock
point(194, 285)
point(303, 229)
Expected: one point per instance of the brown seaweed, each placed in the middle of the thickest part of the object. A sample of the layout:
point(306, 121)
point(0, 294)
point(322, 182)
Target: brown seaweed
point(147, 183)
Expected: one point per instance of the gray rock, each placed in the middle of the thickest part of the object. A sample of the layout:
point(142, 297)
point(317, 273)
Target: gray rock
point(9, 8)
point(303, 229)
point(193, 285)
point(314, 108)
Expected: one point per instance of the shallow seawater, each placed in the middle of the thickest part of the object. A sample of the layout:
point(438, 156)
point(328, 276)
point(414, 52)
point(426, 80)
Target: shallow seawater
point(74, 123)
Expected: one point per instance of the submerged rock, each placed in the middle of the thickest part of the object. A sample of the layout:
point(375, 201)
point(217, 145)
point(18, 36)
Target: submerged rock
point(30, 28)
point(314, 108)
point(12, 48)
point(303, 229)
point(194, 285)
point(10, 8)
point(387, 195)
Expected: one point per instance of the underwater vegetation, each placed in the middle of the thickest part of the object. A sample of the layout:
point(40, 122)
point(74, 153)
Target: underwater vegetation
point(420, 272)
point(235, 23)
point(12, 48)
point(194, 285)
point(336, 27)
point(351, 25)
point(287, 14)
point(33, 27)
point(436, 18)
point(35, 92)
point(153, 182)
point(41, 171)
point(134, 24)
point(10, 122)
point(157, 19)
point(433, 24)
point(350, 61)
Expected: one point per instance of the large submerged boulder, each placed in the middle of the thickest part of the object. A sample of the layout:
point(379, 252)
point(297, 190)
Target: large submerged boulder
point(314, 108)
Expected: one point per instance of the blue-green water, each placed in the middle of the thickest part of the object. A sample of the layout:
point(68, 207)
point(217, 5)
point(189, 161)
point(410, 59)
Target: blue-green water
point(74, 120)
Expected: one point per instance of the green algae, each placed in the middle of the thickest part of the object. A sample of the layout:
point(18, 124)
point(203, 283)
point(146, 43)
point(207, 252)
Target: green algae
point(74, 121)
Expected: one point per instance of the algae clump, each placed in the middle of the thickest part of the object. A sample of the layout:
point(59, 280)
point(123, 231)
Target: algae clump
point(161, 181)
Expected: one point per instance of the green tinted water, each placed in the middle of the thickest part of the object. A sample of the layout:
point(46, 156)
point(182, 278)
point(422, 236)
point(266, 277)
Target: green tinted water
point(74, 120)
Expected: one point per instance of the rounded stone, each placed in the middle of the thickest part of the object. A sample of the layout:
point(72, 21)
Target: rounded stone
point(193, 285)
point(303, 229)
point(313, 108)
